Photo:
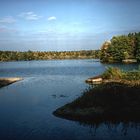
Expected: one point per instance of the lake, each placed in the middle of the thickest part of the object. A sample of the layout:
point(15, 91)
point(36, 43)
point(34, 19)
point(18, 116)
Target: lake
point(26, 106)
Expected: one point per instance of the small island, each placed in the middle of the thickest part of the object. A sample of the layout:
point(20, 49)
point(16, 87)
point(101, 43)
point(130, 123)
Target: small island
point(8, 81)
point(115, 96)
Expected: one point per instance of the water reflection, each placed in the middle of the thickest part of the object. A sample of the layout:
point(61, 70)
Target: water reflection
point(123, 129)
point(126, 67)
point(26, 106)
point(119, 120)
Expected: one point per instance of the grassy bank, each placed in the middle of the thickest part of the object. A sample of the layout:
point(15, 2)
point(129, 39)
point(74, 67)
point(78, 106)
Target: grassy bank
point(131, 78)
point(117, 101)
point(111, 101)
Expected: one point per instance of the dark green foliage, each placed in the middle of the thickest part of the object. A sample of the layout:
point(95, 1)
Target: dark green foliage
point(132, 75)
point(115, 73)
point(116, 100)
point(106, 102)
point(110, 95)
point(112, 73)
point(138, 46)
point(30, 55)
point(121, 48)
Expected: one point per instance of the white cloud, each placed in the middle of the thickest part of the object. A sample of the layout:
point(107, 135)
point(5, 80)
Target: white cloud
point(30, 16)
point(8, 20)
point(52, 18)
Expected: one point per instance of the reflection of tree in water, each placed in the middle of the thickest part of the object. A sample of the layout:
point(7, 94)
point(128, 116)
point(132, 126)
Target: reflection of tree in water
point(119, 129)
point(108, 109)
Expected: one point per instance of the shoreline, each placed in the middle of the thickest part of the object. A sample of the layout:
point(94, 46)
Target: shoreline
point(9, 80)
point(99, 80)
point(106, 102)
point(114, 97)
point(97, 59)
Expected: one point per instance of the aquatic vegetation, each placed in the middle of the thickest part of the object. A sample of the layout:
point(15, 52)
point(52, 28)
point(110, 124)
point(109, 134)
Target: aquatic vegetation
point(116, 73)
point(113, 73)
point(116, 98)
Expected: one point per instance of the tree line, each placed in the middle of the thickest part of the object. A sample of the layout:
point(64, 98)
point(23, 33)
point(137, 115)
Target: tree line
point(37, 55)
point(121, 48)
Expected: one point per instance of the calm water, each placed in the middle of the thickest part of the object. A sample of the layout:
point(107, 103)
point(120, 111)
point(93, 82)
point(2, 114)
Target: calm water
point(26, 107)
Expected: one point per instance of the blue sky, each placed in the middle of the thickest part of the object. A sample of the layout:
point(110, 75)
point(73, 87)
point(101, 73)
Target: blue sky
point(63, 25)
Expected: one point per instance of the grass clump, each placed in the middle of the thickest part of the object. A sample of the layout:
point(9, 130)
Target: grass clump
point(116, 98)
point(118, 74)
point(132, 75)
point(113, 73)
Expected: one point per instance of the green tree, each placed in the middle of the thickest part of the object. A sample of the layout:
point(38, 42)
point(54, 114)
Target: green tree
point(138, 46)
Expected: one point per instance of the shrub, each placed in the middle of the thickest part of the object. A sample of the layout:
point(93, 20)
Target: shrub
point(113, 73)
point(132, 75)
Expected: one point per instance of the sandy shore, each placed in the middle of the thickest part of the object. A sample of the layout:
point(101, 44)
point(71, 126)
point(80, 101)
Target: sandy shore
point(7, 81)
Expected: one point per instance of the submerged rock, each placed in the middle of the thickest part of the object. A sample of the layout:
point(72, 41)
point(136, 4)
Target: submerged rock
point(128, 61)
point(94, 80)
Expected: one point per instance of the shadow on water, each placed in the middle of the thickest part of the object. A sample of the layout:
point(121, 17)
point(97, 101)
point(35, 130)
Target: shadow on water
point(123, 128)
point(26, 106)
point(126, 67)
point(116, 107)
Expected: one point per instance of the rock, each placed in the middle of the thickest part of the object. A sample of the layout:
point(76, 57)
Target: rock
point(127, 61)
point(7, 81)
point(95, 80)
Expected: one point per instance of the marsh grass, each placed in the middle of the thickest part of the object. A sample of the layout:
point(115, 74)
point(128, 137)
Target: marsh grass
point(110, 101)
point(113, 73)
point(118, 98)
point(116, 73)
point(111, 95)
